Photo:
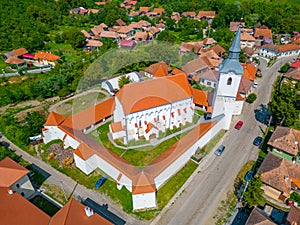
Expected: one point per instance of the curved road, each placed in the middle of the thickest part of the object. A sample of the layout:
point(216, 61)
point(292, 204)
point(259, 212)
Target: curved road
point(199, 202)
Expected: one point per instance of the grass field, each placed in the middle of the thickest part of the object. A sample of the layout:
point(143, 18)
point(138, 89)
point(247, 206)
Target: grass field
point(79, 104)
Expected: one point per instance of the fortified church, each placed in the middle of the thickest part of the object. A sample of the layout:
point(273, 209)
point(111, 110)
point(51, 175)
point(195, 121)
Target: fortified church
point(144, 109)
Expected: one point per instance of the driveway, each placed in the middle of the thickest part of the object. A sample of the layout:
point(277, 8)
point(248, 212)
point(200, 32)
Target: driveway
point(199, 201)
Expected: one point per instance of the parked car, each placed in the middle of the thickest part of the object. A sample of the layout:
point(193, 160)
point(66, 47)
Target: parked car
point(255, 85)
point(219, 151)
point(257, 141)
point(100, 182)
point(239, 125)
point(249, 175)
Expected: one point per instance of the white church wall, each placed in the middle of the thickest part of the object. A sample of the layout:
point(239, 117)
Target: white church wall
point(52, 133)
point(119, 115)
point(143, 201)
point(238, 108)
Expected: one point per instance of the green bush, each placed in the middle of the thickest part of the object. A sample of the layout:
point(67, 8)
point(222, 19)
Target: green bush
point(251, 98)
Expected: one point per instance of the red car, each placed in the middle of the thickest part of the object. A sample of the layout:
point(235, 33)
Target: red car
point(239, 125)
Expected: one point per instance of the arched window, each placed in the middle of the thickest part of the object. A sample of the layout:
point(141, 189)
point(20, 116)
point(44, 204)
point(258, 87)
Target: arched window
point(229, 81)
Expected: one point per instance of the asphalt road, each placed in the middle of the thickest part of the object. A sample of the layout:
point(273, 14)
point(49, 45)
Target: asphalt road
point(199, 202)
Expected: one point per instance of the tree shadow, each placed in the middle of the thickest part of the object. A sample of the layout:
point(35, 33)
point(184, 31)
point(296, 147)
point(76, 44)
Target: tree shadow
point(262, 114)
point(103, 211)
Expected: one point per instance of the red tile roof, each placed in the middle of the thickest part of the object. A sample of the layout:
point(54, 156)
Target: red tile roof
point(293, 217)
point(164, 69)
point(91, 115)
point(14, 60)
point(20, 51)
point(265, 33)
point(286, 139)
point(73, 213)
point(249, 71)
point(10, 172)
point(93, 43)
point(293, 73)
point(275, 171)
point(54, 119)
point(46, 56)
point(200, 97)
point(153, 93)
point(17, 210)
point(143, 183)
point(296, 64)
point(207, 14)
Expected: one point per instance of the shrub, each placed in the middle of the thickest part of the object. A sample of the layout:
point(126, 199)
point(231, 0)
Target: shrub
point(50, 156)
point(67, 162)
point(251, 98)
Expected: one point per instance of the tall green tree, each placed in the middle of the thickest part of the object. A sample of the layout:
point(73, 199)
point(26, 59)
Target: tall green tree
point(254, 194)
point(123, 80)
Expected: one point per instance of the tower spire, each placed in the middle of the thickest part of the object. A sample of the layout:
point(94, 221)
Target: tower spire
point(232, 64)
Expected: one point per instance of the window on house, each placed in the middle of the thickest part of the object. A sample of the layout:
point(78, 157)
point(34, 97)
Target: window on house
point(208, 83)
point(229, 81)
point(22, 193)
point(18, 185)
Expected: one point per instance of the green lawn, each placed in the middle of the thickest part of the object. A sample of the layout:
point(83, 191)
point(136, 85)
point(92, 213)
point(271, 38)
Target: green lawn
point(207, 148)
point(138, 157)
point(44, 205)
point(79, 104)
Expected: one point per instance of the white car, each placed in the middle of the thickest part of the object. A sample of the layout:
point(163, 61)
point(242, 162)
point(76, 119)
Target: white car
point(255, 85)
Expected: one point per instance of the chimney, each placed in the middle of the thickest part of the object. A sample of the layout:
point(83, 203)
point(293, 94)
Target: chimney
point(88, 211)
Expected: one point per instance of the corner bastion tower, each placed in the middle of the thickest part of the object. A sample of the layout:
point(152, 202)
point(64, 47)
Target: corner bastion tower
point(226, 92)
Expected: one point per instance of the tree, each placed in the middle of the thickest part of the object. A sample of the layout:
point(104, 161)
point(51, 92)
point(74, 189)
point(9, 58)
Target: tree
point(166, 35)
point(124, 80)
point(254, 194)
point(74, 37)
point(251, 98)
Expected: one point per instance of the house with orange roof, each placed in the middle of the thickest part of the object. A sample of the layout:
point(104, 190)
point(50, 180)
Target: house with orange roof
point(161, 103)
point(262, 35)
point(189, 14)
point(144, 10)
point(17, 210)
point(159, 69)
point(233, 26)
point(46, 58)
point(15, 177)
point(206, 15)
point(280, 177)
point(278, 51)
point(76, 213)
point(247, 40)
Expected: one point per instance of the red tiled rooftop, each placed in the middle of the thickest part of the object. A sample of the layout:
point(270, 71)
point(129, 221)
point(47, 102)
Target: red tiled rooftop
point(54, 119)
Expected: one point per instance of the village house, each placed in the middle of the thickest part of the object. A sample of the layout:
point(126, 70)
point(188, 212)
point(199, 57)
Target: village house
point(206, 15)
point(153, 32)
point(293, 74)
point(125, 32)
point(233, 26)
point(247, 40)
point(175, 16)
point(159, 69)
point(112, 85)
point(195, 67)
point(209, 78)
point(293, 217)
point(93, 44)
point(277, 51)
point(280, 177)
point(140, 36)
point(259, 217)
point(46, 58)
point(263, 36)
point(15, 177)
point(189, 14)
point(144, 10)
point(127, 44)
point(285, 142)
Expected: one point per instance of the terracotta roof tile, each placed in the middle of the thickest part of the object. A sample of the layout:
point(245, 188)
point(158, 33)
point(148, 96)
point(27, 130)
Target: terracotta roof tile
point(258, 217)
point(73, 213)
point(20, 51)
point(160, 65)
point(265, 33)
point(274, 170)
point(293, 217)
point(153, 93)
point(207, 14)
point(239, 97)
point(249, 71)
point(93, 43)
point(143, 183)
point(296, 64)
point(46, 56)
point(245, 85)
point(17, 210)
point(194, 66)
point(144, 9)
point(218, 49)
point(189, 14)
point(200, 97)
point(91, 115)
point(10, 172)
point(120, 22)
point(14, 60)
point(286, 139)
point(109, 34)
point(54, 119)
point(246, 37)
point(293, 73)
point(86, 34)
point(116, 127)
